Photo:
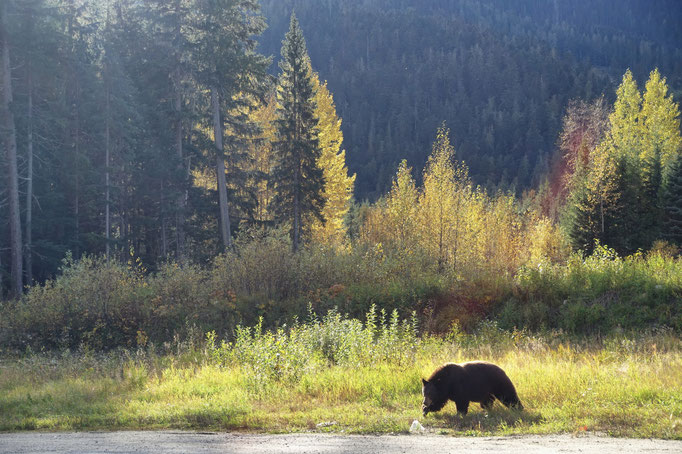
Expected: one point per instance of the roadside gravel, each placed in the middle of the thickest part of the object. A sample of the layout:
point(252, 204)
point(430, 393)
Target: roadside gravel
point(197, 442)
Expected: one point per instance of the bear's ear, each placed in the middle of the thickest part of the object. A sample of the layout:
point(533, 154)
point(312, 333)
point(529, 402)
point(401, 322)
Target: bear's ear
point(424, 382)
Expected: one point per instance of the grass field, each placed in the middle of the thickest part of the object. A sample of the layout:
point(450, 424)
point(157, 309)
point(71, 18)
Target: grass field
point(341, 375)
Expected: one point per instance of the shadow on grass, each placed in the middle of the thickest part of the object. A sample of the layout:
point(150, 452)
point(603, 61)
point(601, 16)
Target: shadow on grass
point(214, 419)
point(495, 420)
point(71, 406)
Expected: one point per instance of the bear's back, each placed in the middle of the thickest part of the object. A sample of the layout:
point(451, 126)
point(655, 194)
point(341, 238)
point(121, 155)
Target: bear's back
point(476, 380)
point(484, 378)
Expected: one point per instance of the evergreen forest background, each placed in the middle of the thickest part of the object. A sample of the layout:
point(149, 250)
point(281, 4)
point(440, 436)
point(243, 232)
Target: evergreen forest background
point(499, 73)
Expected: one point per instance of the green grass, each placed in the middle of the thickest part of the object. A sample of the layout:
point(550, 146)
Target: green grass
point(621, 386)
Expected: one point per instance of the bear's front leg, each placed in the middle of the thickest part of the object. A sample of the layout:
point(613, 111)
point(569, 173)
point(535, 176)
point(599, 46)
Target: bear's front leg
point(462, 407)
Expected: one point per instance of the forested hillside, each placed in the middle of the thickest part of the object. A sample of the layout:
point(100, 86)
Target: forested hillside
point(499, 72)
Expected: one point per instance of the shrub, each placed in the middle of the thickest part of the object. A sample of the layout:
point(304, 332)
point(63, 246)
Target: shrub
point(288, 353)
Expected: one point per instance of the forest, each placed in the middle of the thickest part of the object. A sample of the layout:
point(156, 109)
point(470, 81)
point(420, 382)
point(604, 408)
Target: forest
point(448, 158)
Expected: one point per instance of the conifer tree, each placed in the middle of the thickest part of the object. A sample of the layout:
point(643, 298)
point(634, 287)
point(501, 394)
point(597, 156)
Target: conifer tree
point(224, 58)
point(672, 203)
point(583, 219)
point(165, 53)
point(338, 185)
point(298, 179)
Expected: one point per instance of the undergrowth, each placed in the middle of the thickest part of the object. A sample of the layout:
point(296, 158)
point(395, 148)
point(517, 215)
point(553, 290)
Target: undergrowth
point(103, 305)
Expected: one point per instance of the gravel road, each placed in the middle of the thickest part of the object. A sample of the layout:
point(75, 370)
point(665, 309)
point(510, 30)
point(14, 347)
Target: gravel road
point(193, 442)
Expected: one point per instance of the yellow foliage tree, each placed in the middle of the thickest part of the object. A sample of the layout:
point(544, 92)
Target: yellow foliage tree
point(402, 208)
point(338, 185)
point(660, 122)
point(624, 137)
point(437, 200)
point(263, 157)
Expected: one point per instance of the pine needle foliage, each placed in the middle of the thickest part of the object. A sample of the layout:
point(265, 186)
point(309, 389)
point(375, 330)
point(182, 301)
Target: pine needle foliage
point(298, 179)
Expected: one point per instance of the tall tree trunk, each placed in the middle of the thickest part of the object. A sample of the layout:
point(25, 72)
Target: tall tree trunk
point(297, 210)
point(29, 179)
point(10, 139)
point(182, 197)
point(73, 129)
point(107, 159)
point(76, 175)
point(220, 170)
point(164, 222)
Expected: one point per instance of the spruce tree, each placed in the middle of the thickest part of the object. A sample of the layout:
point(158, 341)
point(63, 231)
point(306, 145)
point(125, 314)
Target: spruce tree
point(582, 219)
point(298, 179)
point(650, 199)
point(672, 203)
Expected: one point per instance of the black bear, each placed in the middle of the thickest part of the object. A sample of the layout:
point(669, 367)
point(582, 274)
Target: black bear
point(476, 381)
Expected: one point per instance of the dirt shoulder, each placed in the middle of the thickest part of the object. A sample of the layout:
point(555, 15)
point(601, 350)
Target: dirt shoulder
point(183, 442)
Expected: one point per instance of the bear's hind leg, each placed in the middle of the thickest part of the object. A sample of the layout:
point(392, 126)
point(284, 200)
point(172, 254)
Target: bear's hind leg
point(487, 404)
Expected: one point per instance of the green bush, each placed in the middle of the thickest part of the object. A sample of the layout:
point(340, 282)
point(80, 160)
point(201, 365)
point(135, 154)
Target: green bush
point(288, 353)
point(597, 293)
point(99, 304)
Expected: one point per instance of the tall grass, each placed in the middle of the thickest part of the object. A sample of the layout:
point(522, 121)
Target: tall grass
point(340, 374)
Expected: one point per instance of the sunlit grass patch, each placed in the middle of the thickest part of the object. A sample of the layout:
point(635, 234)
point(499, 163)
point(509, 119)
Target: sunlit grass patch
point(336, 375)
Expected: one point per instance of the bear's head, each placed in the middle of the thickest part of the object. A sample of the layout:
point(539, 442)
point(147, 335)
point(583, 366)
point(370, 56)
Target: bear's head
point(433, 397)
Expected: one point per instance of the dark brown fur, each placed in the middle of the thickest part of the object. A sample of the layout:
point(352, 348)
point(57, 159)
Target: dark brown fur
point(476, 381)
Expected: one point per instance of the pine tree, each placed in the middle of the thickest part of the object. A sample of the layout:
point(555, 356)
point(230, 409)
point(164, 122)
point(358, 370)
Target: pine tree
point(650, 199)
point(298, 179)
point(222, 39)
point(672, 203)
point(582, 219)
point(338, 185)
